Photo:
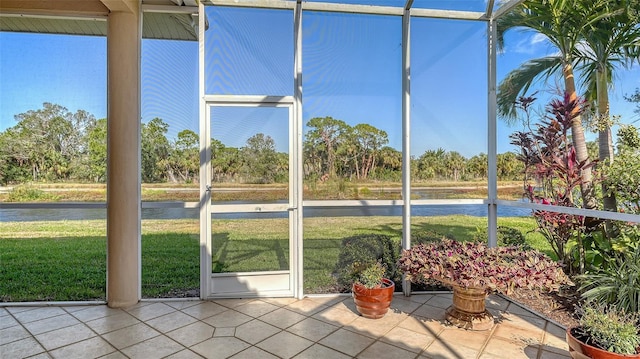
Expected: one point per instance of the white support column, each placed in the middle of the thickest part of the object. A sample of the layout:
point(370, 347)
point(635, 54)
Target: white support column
point(123, 158)
point(406, 135)
point(492, 225)
point(205, 159)
point(298, 191)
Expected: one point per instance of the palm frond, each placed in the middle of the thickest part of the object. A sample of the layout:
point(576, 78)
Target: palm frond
point(518, 81)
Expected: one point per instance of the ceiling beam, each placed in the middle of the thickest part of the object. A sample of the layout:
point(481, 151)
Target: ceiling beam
point(69, 8)
point(506, 7)
point(132, 6)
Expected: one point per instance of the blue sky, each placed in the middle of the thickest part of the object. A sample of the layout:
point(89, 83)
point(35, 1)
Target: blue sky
point(351, 64)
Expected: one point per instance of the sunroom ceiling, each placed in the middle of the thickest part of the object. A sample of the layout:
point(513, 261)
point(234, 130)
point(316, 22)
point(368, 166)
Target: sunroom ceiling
point(162, 19)
point(177, 19)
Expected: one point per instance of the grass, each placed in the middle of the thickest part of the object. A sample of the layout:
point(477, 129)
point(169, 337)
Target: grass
point(66, 260)
point(334, 189)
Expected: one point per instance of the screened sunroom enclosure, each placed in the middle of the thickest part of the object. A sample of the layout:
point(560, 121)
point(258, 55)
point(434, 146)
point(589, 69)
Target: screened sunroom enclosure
point(412, 81)
point(269, 67)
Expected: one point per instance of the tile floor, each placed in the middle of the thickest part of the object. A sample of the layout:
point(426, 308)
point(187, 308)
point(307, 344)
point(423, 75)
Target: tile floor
point(315, 327)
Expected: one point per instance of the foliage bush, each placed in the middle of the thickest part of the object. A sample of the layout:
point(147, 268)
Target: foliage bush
point(507, 236)
point(617, 282)
point(28, 193)
point(474, 265)
point(550, 163)
point(610, 329)
point(366, 249)
point(369, 274)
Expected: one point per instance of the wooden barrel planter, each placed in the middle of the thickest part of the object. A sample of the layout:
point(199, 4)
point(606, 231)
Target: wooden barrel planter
point(579, 350)
point(373, 303)
point(469, 309)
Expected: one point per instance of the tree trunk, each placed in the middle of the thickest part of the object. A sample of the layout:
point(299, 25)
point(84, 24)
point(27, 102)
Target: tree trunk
point(605, 142)
point(579, 142)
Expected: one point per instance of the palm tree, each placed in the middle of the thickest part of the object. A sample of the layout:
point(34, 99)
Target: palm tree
point(612, 42)
point(563, 23)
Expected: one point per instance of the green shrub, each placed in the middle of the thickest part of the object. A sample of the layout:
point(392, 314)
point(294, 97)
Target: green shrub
point(507, 236)
point(610, 329)
point(617, 284)
point(28, 193)
point(370, 275)
point(366, 249)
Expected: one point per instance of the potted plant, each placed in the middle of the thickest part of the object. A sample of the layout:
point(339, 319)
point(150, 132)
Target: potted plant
point(473, 270)
point(372, 293)
point(605, 333)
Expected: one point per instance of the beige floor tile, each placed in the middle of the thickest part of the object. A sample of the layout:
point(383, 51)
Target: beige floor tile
point(347, 342)
point(112, 322)
point(225, 332)
point(39, 313)
point(150, 311)
point(510, 348)
point(232, 303)
point(184, 354)
point(531, 335)
point(94, 312)
point(255, 331)
point(440, 301)
point(204, 310)
point(192, 334)
point(216, 348)
point(523, 322)
point(91, 348)
point(440, 349)
point(336, 316)
point(282, 318)
point(404, 305)
point(12, 334)
point(421, 297)
point(317, 351)
point(330, 300)
point(53, 323)
point(157, 347)
point(517, 309)
point(131, 335)
point(41, 356)
point(285, 344)
point(280, 302)
point(182, 304)
point(171, 321)
point(422, 325)
point(312, 329)
point(407, 339)
point(229, 318)
point(429, 311)
point(379, 350)
point(553, 355)
point(7, 321)
point(65, 336)
point(14, 310)
point(496, 302)
point(256, 308)
point(347, 304)
point(555, 339)
point(114, 355)
point(375, 327)
point(21, 348)
point(306, 306)
point(470, 339)
point(254, 353)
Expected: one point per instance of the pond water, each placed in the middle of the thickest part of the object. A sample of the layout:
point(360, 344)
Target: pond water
point(478, 210)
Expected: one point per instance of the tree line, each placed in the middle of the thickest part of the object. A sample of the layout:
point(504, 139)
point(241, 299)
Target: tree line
point(53, 144)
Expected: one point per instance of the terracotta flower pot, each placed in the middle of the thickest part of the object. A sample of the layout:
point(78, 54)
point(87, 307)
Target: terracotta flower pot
point(580, 350)
point(373, 303)
point(469, 309)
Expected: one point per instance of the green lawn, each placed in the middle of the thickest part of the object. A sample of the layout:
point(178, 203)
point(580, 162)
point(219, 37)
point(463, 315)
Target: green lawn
point(66, 260)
